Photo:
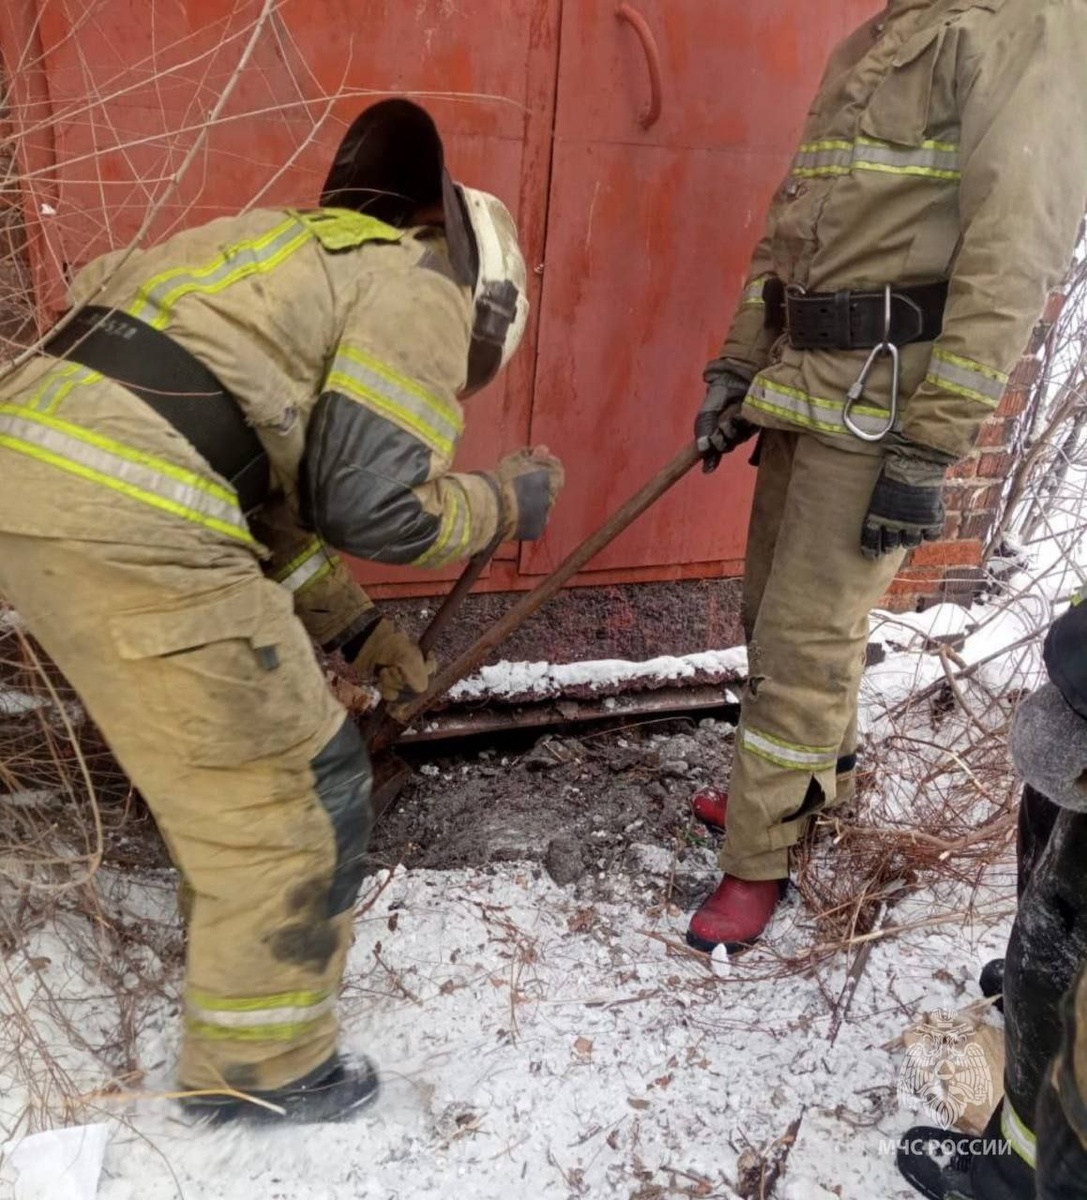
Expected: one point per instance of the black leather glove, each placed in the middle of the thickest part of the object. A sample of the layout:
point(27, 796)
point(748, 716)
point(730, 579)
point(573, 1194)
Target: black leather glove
point(906, 508)
point(719, 428)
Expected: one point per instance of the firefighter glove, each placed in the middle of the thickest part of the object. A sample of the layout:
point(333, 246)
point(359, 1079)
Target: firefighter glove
point(906, 508)
point(394, 663)
point(529, 483)
point(719, 426)
point(1049, 746)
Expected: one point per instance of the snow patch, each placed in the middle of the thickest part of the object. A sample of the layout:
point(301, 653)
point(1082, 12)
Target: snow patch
point(506, 679)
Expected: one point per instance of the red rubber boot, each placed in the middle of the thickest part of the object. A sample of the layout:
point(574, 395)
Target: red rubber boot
point(710, 805)
point(736, 914)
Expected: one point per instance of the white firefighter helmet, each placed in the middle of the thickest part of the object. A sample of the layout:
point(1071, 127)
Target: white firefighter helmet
point(499, 278)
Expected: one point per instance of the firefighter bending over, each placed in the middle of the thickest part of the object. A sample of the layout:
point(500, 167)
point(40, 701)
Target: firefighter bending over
point(177, 470)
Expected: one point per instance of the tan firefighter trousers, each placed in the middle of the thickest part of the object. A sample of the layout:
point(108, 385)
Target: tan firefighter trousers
point(807, 596)
point(207, 689)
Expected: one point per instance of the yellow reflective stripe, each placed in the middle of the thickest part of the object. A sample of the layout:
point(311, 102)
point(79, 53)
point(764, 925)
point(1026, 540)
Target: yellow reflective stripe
point(57, 382)
point(343, 228)
point(811, 412)
point(156, 299)
point(312, 564)
point(437, 423)
point(932, 159)
point(790, 755)
point(1017, 1135)
point(965, 377)
point(455, 533)
point(133, 473)
point(206, 1002)
point(276, 1018)
point(752, 294)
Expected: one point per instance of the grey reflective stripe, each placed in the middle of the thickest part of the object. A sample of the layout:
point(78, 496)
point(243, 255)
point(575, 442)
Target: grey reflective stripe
point(967, 378)
point(935, 160)
point(155, 301)
point(812, 412)
point(301, 573)
point(1017, 1134)
point(433, 420)
point(57, 382)
point(787, 754)
point(255, 1018)
point(122, 469)
point(824, 158)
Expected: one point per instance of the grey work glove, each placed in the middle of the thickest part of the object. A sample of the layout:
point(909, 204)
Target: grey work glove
point(906, 508)
point(719, 428)
point(529, 483)
point(1049, 745)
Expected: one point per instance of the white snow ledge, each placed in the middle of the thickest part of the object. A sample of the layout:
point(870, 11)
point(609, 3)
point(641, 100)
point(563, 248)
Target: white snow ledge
point(544, 681)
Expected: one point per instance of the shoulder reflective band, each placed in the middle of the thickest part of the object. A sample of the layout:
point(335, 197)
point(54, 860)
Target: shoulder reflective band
point(812, 412)
point(283, 1018)
point(57, 382)
point(307, 568)
point(787, 754)
point(932, 160)
point(437, 423)
point(965, 377)
point(455, 532)
point(156, 299)
point(139, 476)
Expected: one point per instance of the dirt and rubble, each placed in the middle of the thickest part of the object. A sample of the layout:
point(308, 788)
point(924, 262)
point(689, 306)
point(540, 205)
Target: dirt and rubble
point(575, 805)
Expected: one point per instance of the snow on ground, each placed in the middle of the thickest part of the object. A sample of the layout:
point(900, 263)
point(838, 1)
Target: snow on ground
point(534, 1044)
point(534, 1047)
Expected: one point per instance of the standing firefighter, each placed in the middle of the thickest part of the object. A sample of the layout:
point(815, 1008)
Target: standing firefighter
point(1036, 1142)
point(932, 204)
point(175, 470)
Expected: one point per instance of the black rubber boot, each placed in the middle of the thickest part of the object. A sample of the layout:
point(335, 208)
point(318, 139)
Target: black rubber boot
point(936, 1162)
point(991, 982)
point(943, 1164)
point(336, 1091)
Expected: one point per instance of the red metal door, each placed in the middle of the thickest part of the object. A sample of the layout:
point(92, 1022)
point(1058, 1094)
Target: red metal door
point(650, 231)
point(248, 100)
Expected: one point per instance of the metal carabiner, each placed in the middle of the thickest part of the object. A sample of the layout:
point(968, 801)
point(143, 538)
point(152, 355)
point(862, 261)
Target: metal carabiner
point(853, 396)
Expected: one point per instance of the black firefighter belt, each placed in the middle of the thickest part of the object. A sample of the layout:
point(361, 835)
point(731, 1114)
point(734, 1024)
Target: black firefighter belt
point(174, 383)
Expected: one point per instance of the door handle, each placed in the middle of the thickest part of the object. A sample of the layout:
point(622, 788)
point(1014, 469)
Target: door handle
point(650, 114)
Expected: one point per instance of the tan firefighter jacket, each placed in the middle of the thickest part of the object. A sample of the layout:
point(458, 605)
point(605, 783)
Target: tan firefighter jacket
point(345, 342)
point(946, 141)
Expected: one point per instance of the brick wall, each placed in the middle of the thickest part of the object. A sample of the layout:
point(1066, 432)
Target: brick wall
point(952, 569)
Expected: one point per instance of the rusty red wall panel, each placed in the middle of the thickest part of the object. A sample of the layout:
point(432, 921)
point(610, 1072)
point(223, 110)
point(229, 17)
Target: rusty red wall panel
point(644, 234)
point(649, 239)
point(132, 86)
